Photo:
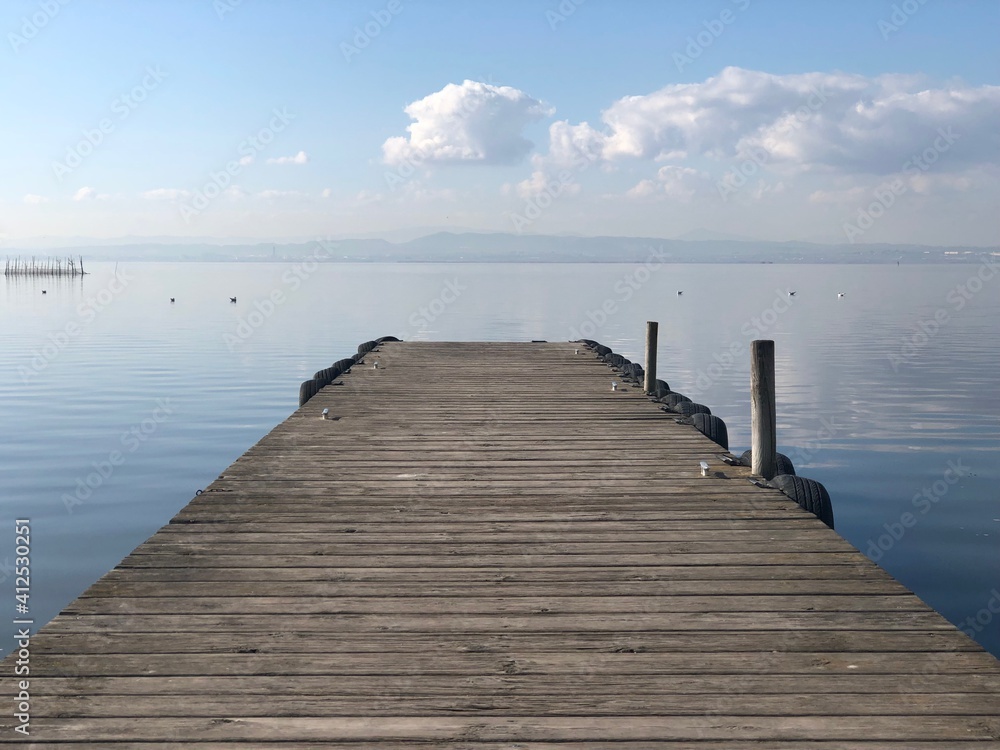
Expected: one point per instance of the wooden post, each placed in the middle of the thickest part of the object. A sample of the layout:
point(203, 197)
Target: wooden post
point(651, 330)
point(763, 418)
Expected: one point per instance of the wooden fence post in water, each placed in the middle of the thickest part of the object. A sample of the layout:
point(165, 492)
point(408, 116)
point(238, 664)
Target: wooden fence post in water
point(650, 382)
point(763, 418)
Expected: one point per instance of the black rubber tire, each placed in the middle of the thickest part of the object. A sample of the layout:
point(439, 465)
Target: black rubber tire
point(385, 338)
point(713, 428)
point(616, 359)
point(672, 399)
point(809, 494)
point(660, 389)
point(344, 364)
point(602, 350)
point(690, 408)
point(366, 347)
point(307, 390)
point(783, 462)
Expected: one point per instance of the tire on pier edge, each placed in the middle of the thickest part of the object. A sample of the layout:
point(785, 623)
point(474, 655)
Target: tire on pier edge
point(808, 493)
point(782, 462)
point(307, 390)
point(690, 408)
point(672, 399)
point(713, 428)
point(660, 389)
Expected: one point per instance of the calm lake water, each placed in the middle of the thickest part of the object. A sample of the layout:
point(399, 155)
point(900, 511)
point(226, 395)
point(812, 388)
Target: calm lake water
point(888, 395)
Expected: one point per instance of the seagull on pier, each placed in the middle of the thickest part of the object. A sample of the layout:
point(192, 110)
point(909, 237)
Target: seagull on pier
point(232, 299)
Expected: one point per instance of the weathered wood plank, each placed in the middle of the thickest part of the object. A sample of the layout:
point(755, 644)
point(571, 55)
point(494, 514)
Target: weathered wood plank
point(514, 728)
point(351, 642)
point(492, 704)
point(713, 687)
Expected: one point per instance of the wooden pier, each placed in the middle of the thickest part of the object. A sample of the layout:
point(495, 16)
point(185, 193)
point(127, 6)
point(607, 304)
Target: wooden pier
point(487, 548)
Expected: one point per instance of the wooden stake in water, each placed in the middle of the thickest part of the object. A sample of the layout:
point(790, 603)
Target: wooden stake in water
point(763, 416)
point(651, 330)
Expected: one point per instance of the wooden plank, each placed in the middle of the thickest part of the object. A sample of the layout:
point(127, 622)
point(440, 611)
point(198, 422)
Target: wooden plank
point(351, 642)
point(519, 728)
point(713, 687)
point(636, 703)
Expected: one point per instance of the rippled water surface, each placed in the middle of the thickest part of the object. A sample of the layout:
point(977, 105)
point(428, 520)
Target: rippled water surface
point(888, 395)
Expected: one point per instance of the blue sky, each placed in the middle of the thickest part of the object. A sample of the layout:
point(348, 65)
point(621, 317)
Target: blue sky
point(768, 119)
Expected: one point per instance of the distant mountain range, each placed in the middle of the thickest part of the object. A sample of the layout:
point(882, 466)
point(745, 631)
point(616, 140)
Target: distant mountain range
point(450, 247)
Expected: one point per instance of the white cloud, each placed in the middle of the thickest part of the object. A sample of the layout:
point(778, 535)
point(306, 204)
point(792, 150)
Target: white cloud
point(89, 193)
point(368, 196)
point(643, 189)
point(35, 200)
point(574, 145)
point(543, 180)
point(467, 122)
point(674, 182)
point(165, 194)
point(279, 194)
point(823, 122)
point(327, 193)
point(300, 158)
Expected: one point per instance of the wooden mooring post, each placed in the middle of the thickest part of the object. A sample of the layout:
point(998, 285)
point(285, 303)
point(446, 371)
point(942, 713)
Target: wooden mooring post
point(652, 328)
point(763, 417)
